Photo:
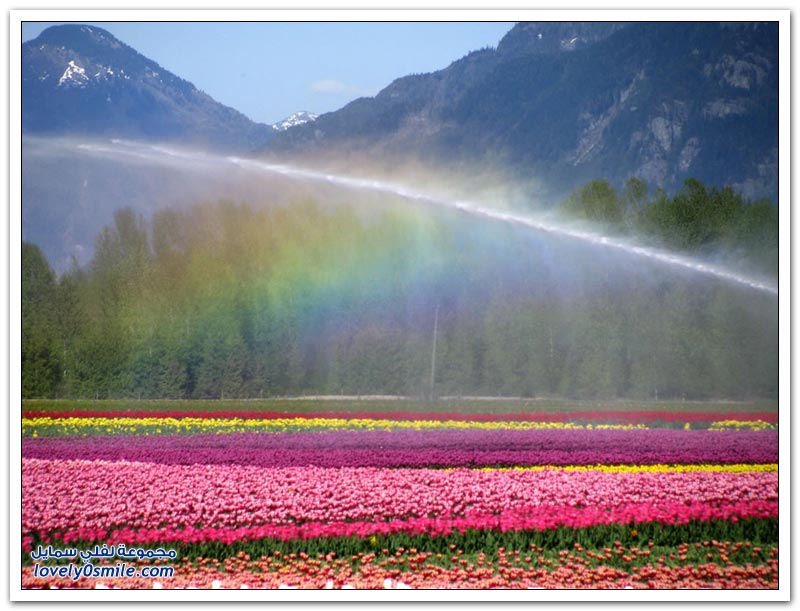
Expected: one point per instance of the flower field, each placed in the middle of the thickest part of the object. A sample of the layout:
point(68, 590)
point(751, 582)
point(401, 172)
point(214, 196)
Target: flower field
point(632, 499)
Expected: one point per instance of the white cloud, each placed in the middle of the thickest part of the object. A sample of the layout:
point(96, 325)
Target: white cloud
point(328, 86)
point(334, 87)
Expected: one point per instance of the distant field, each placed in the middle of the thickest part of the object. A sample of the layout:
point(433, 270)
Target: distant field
point(464, 406)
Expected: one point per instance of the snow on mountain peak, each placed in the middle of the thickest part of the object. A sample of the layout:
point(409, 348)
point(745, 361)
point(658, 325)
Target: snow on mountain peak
point(73, 75)
point(293, 120)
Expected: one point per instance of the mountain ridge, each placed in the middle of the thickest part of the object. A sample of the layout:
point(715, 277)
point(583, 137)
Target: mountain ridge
point(80, 79)
point(661, 101)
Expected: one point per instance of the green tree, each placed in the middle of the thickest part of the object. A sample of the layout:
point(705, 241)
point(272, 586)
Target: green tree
point(41, 362)
point(596, 201)
point(71, 323)
point(633, 201)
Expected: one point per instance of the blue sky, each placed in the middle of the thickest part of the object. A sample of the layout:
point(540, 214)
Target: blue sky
point(270, 70)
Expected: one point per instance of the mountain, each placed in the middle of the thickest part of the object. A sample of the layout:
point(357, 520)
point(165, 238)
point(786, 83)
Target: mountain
point(298, 118)
point(79, 79)
point(565, 103)
point(545, 38)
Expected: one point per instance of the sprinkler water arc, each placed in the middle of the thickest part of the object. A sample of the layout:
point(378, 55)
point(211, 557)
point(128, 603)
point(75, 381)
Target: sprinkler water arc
point(154, 154)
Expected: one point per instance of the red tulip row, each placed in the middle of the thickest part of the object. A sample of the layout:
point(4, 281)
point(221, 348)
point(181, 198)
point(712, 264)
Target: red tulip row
point(572, 568)
point(620, 416)
point(535, 518)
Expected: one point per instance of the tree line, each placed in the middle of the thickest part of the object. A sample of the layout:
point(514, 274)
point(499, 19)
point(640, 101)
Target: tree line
point(697, 219)
point(228, 300)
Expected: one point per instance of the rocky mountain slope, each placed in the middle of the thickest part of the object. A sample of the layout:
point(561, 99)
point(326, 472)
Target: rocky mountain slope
point(569, 102)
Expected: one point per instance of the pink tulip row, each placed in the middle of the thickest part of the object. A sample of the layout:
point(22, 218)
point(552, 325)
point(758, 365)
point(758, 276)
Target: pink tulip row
point(65, 495)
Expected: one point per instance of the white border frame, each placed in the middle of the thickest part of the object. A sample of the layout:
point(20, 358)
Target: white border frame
point(16, 17)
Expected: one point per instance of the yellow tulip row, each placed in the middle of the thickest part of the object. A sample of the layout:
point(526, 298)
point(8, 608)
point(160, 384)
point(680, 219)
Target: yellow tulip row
point(754, 425)
point(734, 468)
point(78, 426)
point(34, 427)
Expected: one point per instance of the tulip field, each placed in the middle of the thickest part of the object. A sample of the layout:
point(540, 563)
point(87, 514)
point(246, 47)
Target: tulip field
point(257, 498)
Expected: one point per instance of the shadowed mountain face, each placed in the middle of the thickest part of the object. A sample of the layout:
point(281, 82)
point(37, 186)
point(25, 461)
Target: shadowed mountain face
point(78, 79)
point(569, 102)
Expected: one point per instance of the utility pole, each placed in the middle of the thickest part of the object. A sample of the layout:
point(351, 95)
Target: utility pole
point(433, 351)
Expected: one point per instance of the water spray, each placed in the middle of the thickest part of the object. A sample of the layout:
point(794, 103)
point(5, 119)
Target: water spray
point(151, 152)
point(662, 256)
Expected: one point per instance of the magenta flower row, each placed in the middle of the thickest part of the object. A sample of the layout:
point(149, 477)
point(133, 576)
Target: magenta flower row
point(543, 518)
point(63, 495)
point(421, 448)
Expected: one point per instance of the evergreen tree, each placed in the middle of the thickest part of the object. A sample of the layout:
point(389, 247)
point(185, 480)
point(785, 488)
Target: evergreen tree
point(41, 357)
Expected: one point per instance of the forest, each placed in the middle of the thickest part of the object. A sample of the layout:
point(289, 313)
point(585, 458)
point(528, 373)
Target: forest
point(229, 300)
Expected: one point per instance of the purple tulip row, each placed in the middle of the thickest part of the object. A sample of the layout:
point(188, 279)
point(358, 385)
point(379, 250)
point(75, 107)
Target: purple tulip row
point(414, 448)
